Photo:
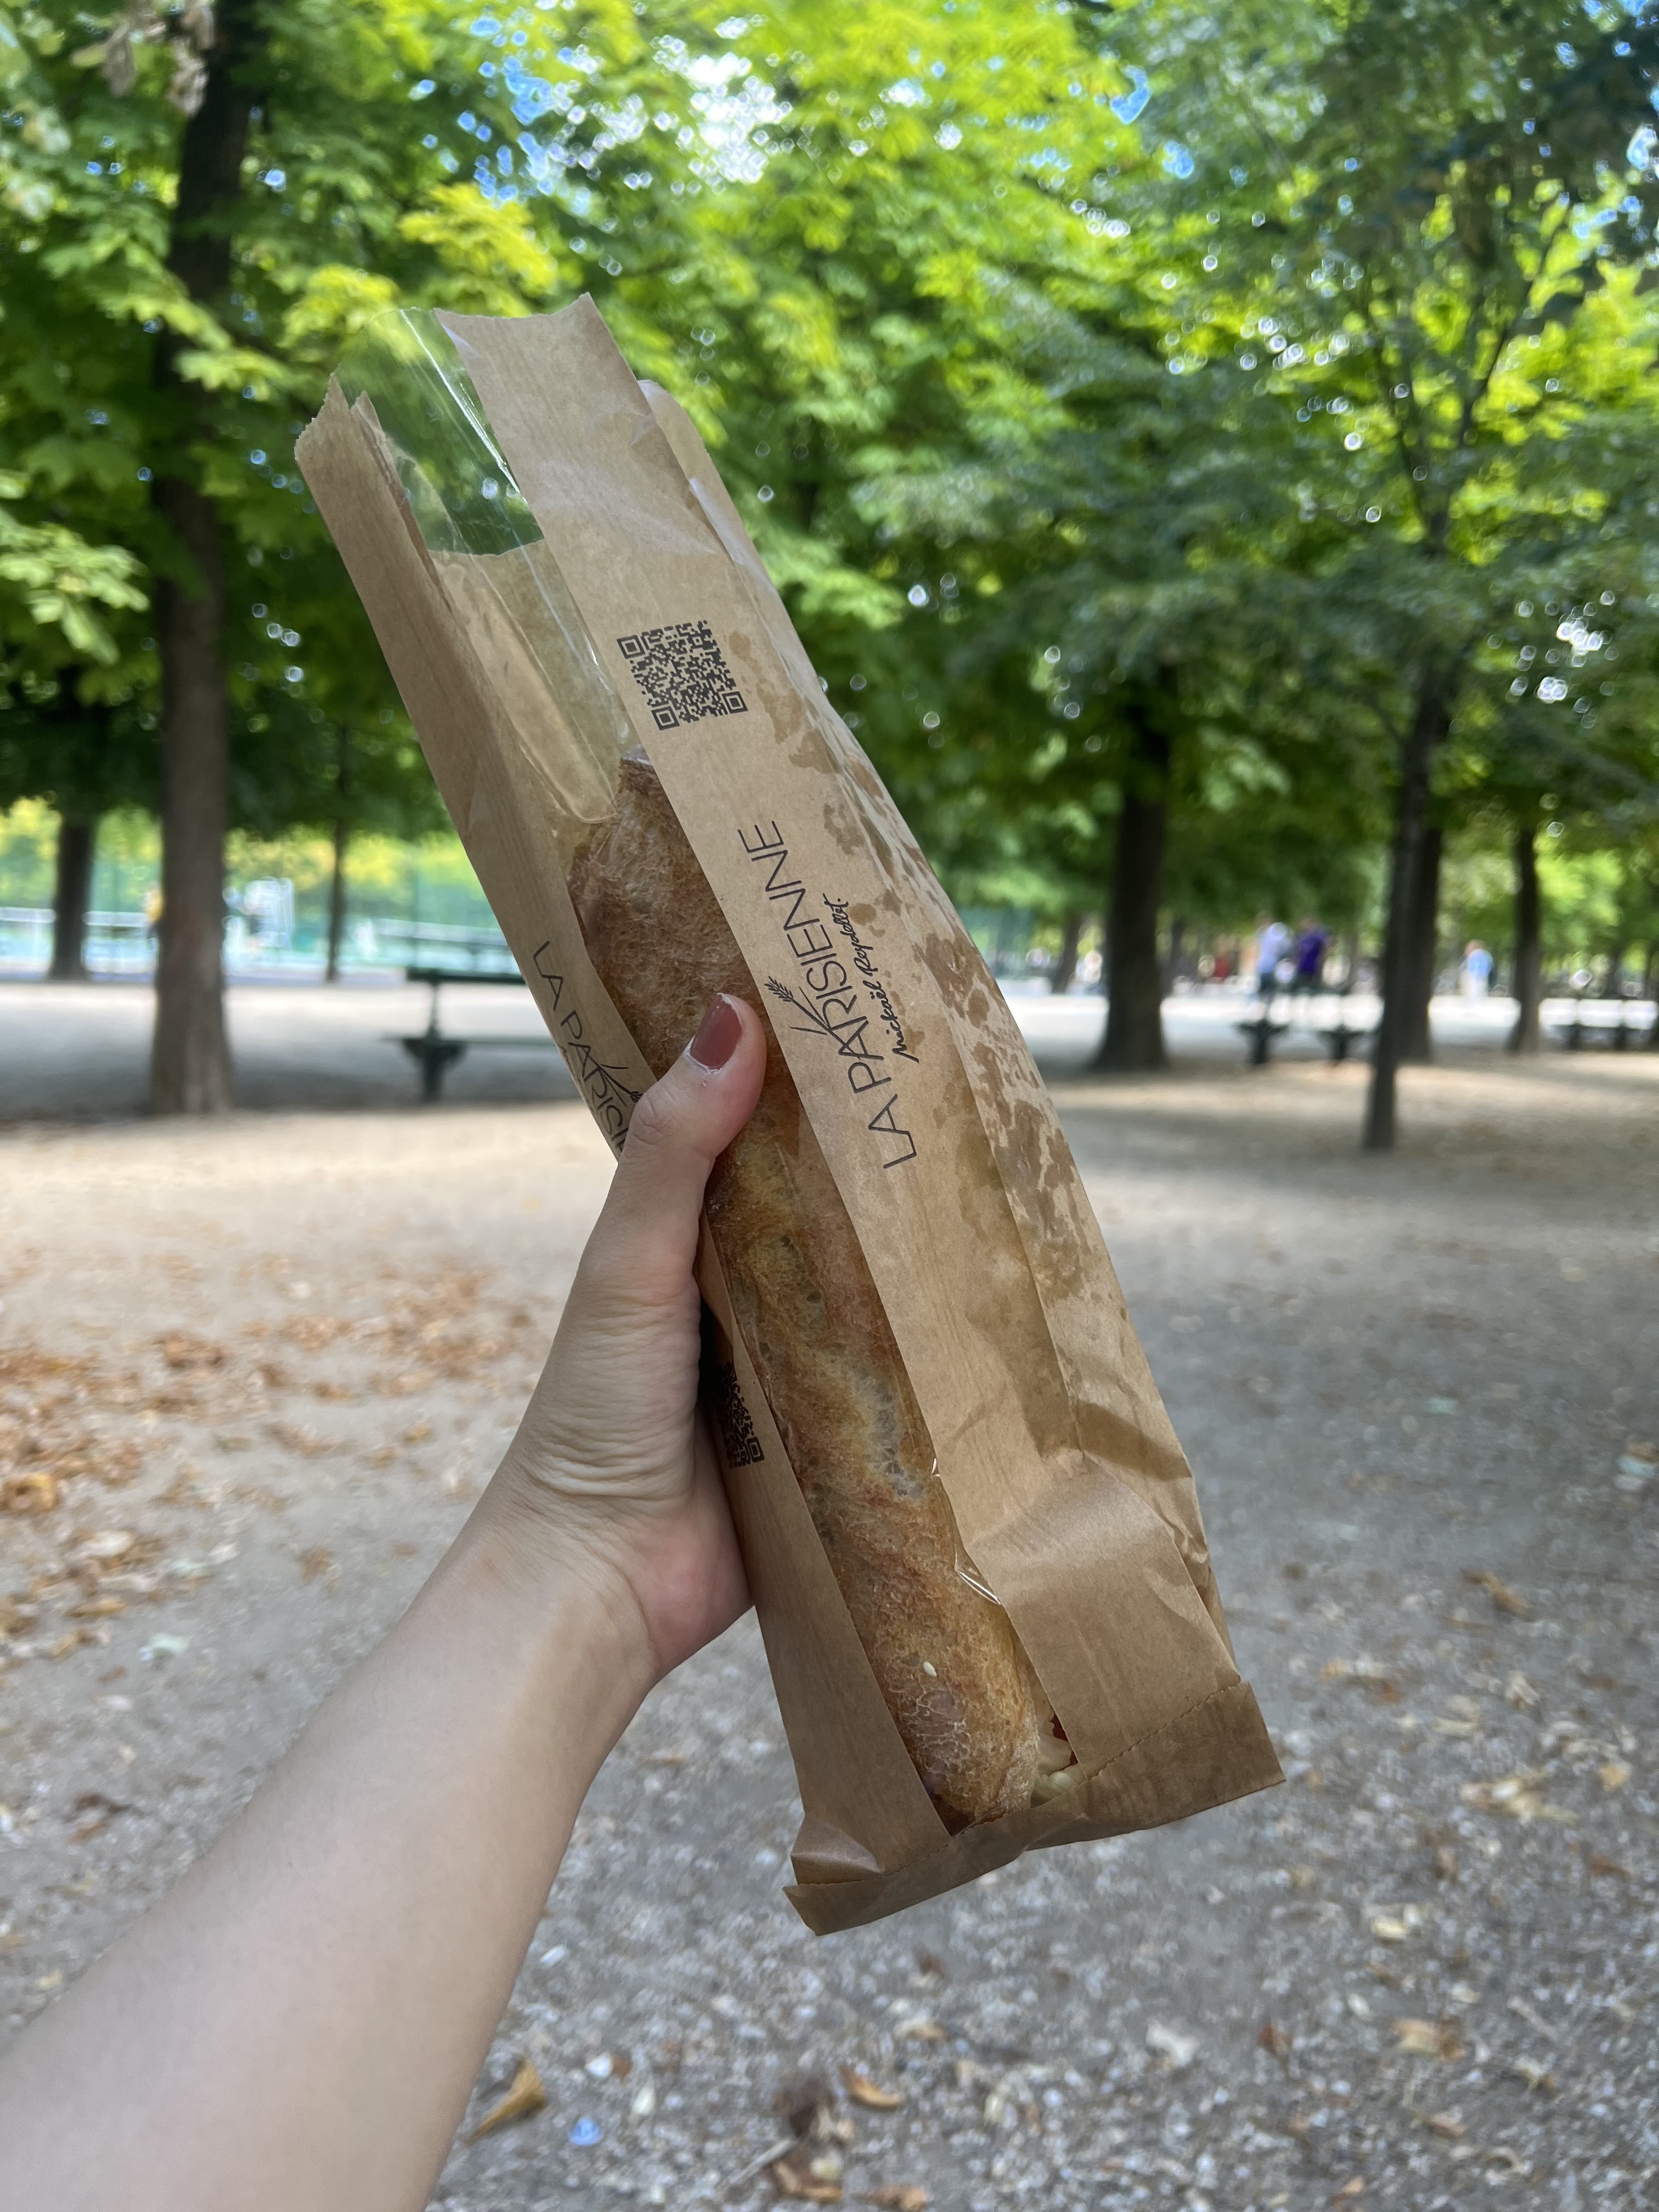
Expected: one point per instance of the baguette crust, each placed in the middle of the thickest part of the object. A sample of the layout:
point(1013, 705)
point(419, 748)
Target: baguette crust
point(947, 1659)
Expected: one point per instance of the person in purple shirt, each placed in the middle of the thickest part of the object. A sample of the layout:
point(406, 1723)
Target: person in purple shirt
point(1312, 942)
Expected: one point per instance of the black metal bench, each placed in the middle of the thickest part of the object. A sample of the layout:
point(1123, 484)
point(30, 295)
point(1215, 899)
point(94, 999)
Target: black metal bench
point(1619, 1036)
point(434, 1052)
point(1340, 1039)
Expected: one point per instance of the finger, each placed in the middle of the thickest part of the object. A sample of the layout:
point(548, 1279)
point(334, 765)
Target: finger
point(646, 1235)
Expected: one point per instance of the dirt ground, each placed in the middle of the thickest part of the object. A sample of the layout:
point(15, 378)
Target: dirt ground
point(251, 1376)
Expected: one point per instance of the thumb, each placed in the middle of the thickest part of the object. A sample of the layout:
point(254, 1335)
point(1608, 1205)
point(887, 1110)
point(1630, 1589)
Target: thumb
point(647, 1236)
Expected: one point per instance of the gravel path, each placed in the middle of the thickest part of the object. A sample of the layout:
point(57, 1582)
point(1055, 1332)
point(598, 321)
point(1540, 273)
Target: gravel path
point(250, 1376)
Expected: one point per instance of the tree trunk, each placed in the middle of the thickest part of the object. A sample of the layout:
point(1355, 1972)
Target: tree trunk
point(1615, 973)
point(1526, 1036)
point(1065, 973)
point(1134, 1018)
point(1430, 722)
point(337, 901)
point(1351, 954)
point(189, 1063)
point(336, 889)
point(1416, 1044)
point(1177, 945)
point(71, 896)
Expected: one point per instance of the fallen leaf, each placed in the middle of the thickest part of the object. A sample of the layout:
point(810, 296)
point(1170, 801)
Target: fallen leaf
point(1428, 2039)
point(798, 2180)
point(900, 2196)
point(1394, 1927)
point(919, 2031)
point(1515, 1796)
point(1505, 1599)
point(1599, 1862)
point(525, 2095)
point(1534, 2073)
point(103, 1811)
point(1168, 2043)
point(1507, 2162)
point(181, 1350)
point(107, 1544)
point(863, 2091)
point(31, 1493)
point(1275, 2038)
point(95, 1609)
point(1612, 1774)
point(1445, 2124)
point(1354, 2188)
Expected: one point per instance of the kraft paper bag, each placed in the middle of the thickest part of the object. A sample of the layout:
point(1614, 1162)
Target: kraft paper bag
point(557, 576)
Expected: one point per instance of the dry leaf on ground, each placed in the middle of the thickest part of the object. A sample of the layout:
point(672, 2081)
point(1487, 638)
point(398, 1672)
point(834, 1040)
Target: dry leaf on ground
point(1599, 1862)
point(1170, 2044)
point(181, 1350)
point(1612, 1774)
point(796, 2178)
point(863, 2091)
point(1445, 2124)
point(1534, 2073)
point(1428, 2039)
point(900, 2196)
point(1505, 1599)
point(525, 2095)
point(1516, 1795)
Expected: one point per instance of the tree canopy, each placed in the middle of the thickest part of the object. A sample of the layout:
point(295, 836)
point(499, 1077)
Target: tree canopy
point(1205, 449)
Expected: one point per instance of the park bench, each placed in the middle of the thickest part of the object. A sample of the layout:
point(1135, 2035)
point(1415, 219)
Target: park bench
point(1619, 1036)
point(1340, 1039)
point(433, 1051)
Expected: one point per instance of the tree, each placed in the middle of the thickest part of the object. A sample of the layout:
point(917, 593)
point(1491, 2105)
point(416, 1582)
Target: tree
point(197, 209)
point(68, 673)
point(1438, 194)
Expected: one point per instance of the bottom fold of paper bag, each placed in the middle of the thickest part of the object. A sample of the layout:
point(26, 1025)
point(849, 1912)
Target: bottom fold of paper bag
point(1216, 1751)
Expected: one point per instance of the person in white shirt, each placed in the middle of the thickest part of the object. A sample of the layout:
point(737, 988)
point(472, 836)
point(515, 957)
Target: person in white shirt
point(1272, 942)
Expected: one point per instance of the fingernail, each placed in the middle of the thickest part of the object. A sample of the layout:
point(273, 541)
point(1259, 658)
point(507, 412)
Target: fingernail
point(717, 1034)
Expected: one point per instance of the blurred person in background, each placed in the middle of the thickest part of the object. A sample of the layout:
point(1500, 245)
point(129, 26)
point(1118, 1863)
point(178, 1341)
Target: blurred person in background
point(1311, 941)
point(1272, 942)
point(1477, 970)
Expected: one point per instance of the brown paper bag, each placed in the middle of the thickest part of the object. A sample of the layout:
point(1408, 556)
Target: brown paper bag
point(556, 575)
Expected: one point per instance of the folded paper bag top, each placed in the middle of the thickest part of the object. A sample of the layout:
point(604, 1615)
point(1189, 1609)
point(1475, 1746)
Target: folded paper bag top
point(559, 579)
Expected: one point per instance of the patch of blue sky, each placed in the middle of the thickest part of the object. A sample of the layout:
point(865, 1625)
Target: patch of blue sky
point(1129, 106)
point(532, 95)
point(731, 105)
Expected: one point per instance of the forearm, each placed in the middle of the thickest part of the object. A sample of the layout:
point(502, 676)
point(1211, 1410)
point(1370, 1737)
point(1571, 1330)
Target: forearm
point(396, 1860)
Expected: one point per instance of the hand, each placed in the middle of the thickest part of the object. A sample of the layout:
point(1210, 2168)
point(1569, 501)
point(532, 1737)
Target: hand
point(612, 1466)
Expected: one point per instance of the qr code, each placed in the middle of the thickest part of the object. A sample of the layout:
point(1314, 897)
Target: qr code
point(733, 1418)
point(682, 673)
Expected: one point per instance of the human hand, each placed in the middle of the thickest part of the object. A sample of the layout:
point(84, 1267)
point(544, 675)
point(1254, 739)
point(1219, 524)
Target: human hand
point(612, 1471)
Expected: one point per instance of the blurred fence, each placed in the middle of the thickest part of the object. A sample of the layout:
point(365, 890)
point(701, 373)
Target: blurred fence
point(123, 945)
